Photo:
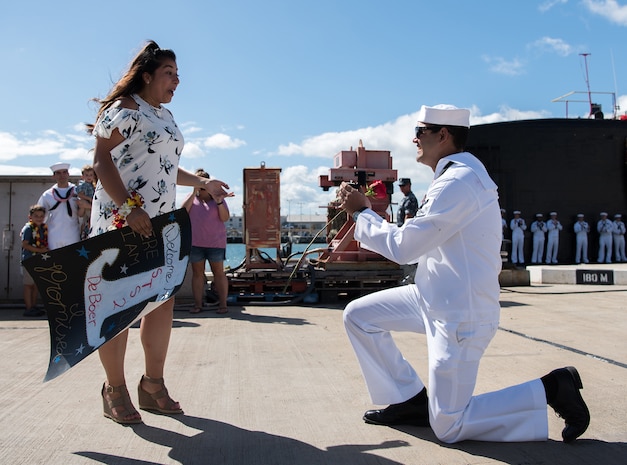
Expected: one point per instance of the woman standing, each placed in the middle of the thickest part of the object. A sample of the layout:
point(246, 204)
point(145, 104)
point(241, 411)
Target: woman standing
point(208, 213)
point(136, 158)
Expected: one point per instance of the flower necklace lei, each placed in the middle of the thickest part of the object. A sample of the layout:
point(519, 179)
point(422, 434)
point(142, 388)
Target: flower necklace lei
point(119, 214)
point(40, 234)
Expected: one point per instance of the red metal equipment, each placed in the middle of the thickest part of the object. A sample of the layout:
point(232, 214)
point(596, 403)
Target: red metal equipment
point(361, 167)
point(262, 214)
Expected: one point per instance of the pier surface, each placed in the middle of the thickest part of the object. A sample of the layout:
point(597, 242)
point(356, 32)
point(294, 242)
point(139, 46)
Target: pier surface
point(280, 385)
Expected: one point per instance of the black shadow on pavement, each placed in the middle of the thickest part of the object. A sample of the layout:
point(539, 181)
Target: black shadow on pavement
point(218, 442)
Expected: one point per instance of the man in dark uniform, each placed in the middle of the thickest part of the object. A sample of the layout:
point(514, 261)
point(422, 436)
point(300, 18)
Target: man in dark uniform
point(409, 205)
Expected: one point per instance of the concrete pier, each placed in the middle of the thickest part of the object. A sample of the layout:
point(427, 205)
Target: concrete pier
point(280, 385)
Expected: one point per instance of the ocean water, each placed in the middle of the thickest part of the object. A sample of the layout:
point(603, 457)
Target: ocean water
point(236, 253)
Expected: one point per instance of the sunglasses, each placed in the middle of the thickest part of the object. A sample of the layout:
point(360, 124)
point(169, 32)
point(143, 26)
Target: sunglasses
point(420, 130)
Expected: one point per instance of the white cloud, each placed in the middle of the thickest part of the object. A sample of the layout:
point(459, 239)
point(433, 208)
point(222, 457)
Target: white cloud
point(551, 44)
point(505, 113)
point(301, 193)
point(546, 6)
point(188, 128)
point(500, 65)
point(47, 143)
point(192, 150)
point(222, 141)
point(609, 9)
point(300, 184)
point(11, 170)
point(77, 153)
point(300, 190)
point(197, 147)
point(12, 146)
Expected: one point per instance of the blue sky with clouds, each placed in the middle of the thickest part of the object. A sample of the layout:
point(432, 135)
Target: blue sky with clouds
point(290, 83)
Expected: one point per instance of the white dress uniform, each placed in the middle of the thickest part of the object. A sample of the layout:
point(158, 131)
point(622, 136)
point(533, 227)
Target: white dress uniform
point(61, 216)
point(518, 227)
point(605, 228)
point(618, 239)
point(553, 227)
point(581, 228)
point(455, 240)
point(538, 229)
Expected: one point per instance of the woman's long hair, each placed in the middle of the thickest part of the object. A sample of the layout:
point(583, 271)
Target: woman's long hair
point(146, 61)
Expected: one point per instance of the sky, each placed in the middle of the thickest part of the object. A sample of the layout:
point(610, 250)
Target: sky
point(291, 83)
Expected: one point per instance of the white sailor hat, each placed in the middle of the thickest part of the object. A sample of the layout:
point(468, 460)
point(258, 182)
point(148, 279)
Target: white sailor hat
point(60, 166)
point(618, 215)
point(579, 215)
point(516, 212)
point(444, 115)
point(539, 215)
point(603, 213)
point(553, 214)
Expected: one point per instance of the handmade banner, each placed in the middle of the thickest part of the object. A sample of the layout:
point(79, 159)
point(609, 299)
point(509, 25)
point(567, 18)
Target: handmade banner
point(95, 289)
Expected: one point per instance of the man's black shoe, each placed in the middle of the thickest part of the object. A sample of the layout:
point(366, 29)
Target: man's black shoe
point(569, 404)
point(414, 411)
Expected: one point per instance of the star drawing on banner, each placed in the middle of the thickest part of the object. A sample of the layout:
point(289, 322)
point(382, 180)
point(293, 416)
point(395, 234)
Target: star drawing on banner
point(45, 256)
point(82, 252)
point(171, 217)
point(123, 269)
point(57, 359)
point(80, 349)
point(111, 327)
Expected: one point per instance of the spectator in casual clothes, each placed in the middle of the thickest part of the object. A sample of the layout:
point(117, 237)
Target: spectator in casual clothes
point(34, 237)
point(208, 213)
point(85, 193)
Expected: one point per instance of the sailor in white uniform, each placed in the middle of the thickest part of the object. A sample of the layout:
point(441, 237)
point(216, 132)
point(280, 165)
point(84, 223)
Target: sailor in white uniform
point(63, 210)
point(518, 227)
point(553, 227)
point(618, 238)
point(538, 229)
point(581, 228)
point(455, 240)
point(605, 228)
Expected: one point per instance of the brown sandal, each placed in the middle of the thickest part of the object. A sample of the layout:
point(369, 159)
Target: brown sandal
point(223, 310)
point(123, 401)
point(148, 400)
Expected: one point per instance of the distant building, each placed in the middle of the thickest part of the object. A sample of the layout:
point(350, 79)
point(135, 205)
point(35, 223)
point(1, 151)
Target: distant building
point(234, 228)
point(17, 194)
point(302, 228)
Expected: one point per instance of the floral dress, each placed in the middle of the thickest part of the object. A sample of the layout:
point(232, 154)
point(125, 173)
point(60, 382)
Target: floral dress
point(147, 160)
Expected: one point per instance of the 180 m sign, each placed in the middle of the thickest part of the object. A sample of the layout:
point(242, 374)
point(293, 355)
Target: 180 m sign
point(595, 277)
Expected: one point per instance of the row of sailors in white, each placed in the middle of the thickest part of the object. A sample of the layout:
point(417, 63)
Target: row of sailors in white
point(538, 228)
point(611, 233)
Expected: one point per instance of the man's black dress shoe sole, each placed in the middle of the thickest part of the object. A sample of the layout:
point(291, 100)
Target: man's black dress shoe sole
point(372, 417)
point(569, 404)
point(399, 414)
